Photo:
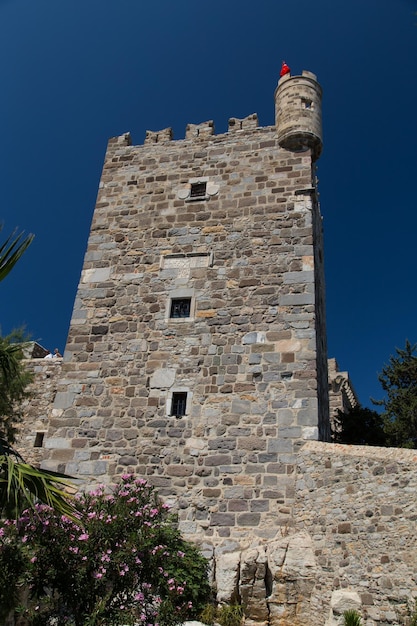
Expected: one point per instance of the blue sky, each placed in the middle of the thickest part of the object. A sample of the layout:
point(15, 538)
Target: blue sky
point(75, 72)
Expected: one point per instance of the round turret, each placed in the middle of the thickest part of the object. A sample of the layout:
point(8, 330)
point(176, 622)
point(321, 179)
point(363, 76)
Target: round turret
point(298, 113)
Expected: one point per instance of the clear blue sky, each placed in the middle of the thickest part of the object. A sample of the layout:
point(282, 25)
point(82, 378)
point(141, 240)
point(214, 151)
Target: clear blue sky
point(75, 72)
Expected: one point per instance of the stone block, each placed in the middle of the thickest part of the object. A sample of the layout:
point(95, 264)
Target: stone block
point(253, 337)
point(218, 459)
point(92, 468)
point(54, 443)
point(303, 277)
point(296, 299)
point(98, 275)
point(248, 519)
point(222, 519)
point(162, 378)
point(64, 399)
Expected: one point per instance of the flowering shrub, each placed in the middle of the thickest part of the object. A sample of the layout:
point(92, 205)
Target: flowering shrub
point(123, 562)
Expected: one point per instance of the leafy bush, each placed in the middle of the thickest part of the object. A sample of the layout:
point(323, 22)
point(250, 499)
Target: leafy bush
point(122, 562)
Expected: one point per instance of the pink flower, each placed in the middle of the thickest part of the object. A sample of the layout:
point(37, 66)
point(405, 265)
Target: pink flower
point(83, 537)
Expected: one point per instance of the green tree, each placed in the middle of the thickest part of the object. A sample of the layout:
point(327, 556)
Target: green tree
point(20, 483)
point(14, 379)
point(399, 382)
point(359, 426)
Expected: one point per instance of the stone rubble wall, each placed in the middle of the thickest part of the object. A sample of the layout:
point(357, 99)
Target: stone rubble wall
point(37, 408)
point(352, 544)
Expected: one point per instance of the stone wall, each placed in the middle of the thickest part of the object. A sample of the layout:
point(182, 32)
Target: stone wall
point(38, 407)
point(351, 543)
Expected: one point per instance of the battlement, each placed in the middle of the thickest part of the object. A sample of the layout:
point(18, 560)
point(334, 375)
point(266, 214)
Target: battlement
point(297, 120)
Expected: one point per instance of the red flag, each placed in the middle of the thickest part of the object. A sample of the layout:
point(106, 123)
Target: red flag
point(284, 69)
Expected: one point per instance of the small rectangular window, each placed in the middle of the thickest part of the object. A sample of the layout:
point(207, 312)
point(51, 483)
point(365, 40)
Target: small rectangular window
point(179, 403)
point(180, 308)
point(39, 440)
point(198, 190)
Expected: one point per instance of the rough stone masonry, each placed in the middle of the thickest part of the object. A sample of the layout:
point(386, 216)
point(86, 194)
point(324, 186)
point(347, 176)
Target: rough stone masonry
point(196, 357)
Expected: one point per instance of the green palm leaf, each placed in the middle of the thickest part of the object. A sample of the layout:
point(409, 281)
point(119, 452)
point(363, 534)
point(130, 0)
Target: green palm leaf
point(22, 485)
point(11, 251)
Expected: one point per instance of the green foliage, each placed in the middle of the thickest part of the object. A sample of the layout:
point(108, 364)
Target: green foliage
point(22, 485)
point(14, 379)
point(122, 561)
point(359, 426)
point(11, 251)
point(399, 381)
point(12, 571)
point(225, 615)
point(230, 615)
point(208, 615)
point(352, 618)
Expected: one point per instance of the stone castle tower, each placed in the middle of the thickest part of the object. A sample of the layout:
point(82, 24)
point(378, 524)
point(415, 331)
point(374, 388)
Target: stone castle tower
point(196, 355)
point(196, 358)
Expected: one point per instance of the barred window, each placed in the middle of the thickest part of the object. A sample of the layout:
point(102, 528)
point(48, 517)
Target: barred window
point(198, 190)
point(179, 403)
point(180, 307)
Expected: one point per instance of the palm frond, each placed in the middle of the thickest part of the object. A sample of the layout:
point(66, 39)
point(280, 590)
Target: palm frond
point(11, 251)
point(22, 485)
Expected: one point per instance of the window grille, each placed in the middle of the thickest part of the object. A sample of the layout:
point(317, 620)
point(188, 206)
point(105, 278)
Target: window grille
point(179, 403)
point(180, 307)
point(198, 190)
